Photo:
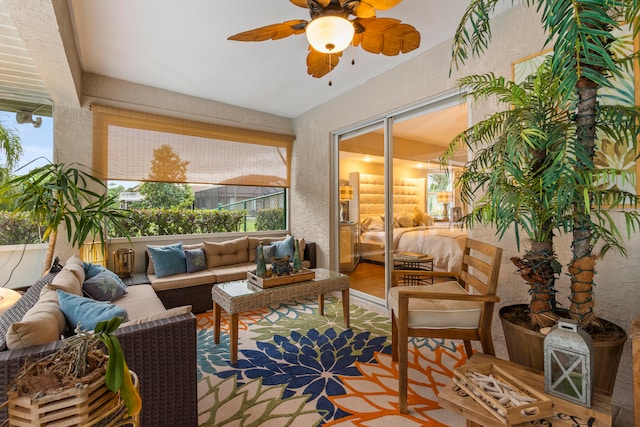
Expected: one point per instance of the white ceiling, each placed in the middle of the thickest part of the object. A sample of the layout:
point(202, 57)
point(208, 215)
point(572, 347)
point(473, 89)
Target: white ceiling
point(183, 47)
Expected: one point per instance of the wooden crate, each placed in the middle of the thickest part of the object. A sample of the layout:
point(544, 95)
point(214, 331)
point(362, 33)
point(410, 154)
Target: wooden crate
point(508, 415)
point(91, 403)
point(303, 275)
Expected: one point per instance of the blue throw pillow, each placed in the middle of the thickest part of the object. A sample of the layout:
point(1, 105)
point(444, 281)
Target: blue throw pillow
point(104, 286)
point(268, 251)
point(196, 260)
point(87, 312)
point(284, 248)
point(90, 270)
point(168, 260)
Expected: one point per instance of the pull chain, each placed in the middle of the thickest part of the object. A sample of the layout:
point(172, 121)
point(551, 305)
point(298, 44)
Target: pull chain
point(330, 68)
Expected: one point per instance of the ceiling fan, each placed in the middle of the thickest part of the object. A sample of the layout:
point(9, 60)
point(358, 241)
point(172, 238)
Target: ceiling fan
point(387, 36)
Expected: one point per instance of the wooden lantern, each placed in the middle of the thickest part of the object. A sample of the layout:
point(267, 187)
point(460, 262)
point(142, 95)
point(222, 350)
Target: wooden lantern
point(123, 261)
point(568, 363)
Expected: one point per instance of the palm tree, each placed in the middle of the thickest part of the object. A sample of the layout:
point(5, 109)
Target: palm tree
point(583, 34)
point(522, 161)
point(57, 194)
point(11, 148)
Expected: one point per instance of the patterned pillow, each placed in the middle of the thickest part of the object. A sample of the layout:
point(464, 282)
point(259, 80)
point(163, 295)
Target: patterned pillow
point(104, 286)
point(87, 312)
point(196, 260)
point(268, 251)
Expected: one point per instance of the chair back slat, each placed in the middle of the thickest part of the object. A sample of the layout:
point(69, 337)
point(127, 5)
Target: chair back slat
point(480, 267)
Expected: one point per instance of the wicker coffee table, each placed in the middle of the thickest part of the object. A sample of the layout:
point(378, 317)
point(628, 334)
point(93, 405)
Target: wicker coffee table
point(238, 296)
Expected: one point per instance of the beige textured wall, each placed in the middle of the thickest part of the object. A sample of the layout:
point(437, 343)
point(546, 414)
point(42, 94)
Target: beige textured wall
point(516, 34)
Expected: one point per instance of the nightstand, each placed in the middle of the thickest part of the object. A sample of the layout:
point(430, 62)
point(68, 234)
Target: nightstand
point(349, 247)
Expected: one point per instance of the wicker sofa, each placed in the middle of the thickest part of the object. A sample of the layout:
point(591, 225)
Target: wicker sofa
point(161, 352)
point(225, 261)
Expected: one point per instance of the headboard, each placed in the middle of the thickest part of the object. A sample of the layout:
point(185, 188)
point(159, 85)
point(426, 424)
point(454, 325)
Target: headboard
point(368, 195)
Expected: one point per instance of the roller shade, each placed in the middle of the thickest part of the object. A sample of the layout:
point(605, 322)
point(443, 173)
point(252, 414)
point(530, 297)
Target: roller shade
point(136, 146)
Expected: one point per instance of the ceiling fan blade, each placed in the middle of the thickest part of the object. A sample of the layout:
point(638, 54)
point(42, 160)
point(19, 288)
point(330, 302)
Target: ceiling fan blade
point(381, 4)
point(319, 64)
point(387, 36)
point(271, 32)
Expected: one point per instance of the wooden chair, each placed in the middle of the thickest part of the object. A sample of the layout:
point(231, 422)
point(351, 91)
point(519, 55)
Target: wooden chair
point(458, 309)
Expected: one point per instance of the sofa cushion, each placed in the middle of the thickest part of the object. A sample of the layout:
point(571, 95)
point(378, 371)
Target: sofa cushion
point(228, 273)
point(284, 247)
point(87, 312)
point(168, 260)
point(90, 269)
point(202, 277)
point(41, 324)
point(104, 286)
point(267, 250)
point(70, 278)
point(150, 268)
point(226, 253)
point(196, 260)
point(176, 311)
point(140, 302)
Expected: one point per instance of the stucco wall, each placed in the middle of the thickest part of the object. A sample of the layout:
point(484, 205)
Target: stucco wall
point(516, 34)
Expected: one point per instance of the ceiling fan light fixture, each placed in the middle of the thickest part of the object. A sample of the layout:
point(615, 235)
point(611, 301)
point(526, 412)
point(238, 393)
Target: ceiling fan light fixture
point(330, 34)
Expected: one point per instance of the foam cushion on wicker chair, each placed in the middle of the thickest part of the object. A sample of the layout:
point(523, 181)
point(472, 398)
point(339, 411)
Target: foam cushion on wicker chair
point(438, 313)
point(176, 311)
point(41, 324)
point(233, 272)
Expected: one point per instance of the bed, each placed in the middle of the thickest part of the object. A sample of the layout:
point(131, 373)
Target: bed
point(414, 230)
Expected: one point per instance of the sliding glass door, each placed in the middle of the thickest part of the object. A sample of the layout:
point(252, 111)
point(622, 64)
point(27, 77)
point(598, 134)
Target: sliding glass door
point(392, 192)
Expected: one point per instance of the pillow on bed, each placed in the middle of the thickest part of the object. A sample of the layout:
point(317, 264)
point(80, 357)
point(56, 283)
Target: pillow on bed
point(372, 223)
point(405, 220)
point(421, 218)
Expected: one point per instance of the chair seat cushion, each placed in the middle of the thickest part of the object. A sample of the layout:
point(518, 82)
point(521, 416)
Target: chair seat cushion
point(438, 314)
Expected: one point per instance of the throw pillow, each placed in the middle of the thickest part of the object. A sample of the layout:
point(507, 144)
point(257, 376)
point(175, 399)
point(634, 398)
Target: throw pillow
point(405, 220)
point(87, 312)
point(104, 286)
point(268, 251)
point(196, 260)
point(91, 270)
point(168, 260)
point(41, 324)
point(283, 248)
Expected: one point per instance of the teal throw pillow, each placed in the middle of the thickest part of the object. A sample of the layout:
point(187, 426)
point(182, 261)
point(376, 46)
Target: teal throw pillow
point(104, 286)
point(196, 260)
point(283, 248)
point(87, 312)
point(90, 270)
point(168, 260)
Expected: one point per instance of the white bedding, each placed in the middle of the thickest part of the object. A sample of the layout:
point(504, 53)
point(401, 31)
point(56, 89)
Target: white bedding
point(444, 244)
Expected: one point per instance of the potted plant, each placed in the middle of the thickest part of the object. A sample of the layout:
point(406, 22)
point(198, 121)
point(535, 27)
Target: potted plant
point(56, 194)
point(81, 361)
point(583, 61)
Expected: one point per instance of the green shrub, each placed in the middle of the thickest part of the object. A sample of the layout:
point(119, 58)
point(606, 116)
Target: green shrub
point(270, 219)
point(162, 222)
point(18, 229)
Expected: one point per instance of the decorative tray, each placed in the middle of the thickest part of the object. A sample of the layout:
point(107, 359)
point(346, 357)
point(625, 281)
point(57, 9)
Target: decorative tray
point(502, 395)
point(303, 275)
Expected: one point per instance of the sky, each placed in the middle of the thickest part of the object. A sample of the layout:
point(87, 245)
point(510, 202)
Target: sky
point(37, 143)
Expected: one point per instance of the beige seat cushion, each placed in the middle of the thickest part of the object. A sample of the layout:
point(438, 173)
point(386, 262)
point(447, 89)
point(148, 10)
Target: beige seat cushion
point(141, 301)
point(176, 311)
point(438, 314)
point(184, 280)
point(41, 324)
point(229, 273)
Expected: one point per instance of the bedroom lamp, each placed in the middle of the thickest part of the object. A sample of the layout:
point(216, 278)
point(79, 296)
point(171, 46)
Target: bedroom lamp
point(444, 197)
point(346, 194)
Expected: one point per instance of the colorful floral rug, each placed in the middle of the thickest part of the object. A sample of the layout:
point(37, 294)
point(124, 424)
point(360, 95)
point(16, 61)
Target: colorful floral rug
point(298, 368)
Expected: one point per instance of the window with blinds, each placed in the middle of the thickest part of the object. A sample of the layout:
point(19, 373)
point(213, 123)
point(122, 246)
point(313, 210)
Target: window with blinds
point(135, 146)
